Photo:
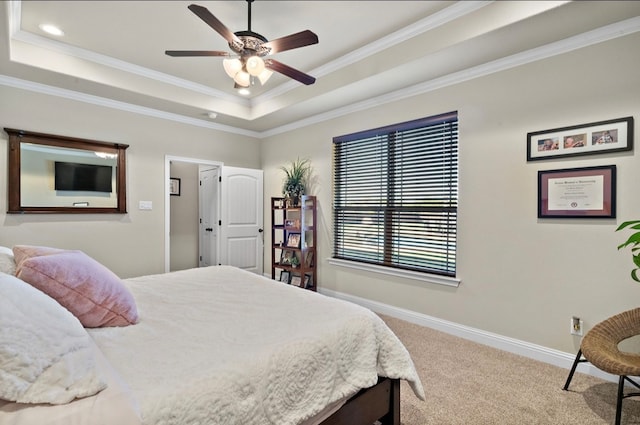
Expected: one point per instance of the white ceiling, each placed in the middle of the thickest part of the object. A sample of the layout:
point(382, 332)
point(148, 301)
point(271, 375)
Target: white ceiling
point(369, 52)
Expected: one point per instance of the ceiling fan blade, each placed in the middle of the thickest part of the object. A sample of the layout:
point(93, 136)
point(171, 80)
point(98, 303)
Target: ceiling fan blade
point(293, 41)
point(180, 53)
point(204, 14)
point(276, 66)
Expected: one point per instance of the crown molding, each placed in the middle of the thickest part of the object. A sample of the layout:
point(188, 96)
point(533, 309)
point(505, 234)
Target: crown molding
point(447, 15)
point(6, 80)
point(16, 33)
point(589, 38)
point(599, 35)
point(110, 62)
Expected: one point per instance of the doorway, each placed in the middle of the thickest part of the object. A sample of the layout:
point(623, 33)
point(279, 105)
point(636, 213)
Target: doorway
point(220, 218)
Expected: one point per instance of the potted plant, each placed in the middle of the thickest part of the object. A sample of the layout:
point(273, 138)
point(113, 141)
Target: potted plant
point(295, 181)
point(634, 242)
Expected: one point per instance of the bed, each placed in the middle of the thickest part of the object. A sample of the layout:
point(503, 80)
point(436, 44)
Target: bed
point(213, 345)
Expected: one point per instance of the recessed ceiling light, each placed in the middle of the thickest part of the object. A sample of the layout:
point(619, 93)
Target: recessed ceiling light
point(212, 115)
point(244, 91)
point(51, 29)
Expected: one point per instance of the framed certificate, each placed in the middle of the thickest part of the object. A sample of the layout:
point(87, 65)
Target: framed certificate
point(588, 192)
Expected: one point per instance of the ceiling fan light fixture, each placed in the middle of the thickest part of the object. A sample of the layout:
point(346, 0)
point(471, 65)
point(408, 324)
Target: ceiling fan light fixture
point(264, 76)
point(243, 79)
point(232, 66)
point(255, 65)
point(244, 91)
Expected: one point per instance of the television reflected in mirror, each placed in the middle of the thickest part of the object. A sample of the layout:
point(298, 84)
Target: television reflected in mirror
point(73, 176)
point(56, 174)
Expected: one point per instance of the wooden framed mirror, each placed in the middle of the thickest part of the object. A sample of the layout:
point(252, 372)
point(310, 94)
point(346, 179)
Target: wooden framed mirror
point(65, 175)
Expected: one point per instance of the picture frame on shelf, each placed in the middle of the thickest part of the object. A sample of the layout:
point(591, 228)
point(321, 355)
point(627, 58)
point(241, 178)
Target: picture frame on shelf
point(608, 136)
point(285, 276)
point(285, 257)
point(308, 259)
point(307, 281)
point(588, 192)
point(294, 224)
point(295, 280)
point(293, 240)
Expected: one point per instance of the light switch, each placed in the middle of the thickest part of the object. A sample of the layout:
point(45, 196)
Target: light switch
point(146, 205)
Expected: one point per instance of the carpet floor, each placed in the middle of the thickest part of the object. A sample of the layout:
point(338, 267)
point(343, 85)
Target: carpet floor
point(469, 383)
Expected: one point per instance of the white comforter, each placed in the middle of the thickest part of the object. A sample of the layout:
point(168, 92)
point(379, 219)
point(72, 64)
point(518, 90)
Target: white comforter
point(219, 345)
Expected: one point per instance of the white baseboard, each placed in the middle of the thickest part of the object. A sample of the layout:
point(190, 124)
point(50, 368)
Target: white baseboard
point(512, 345)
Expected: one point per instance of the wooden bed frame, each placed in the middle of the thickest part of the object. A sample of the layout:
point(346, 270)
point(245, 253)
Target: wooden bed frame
point(378, 403)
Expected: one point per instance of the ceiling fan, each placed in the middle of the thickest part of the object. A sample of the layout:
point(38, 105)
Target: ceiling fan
point(249, 48)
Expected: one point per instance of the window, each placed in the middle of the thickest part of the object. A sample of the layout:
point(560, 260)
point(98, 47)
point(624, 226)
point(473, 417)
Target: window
point(396, 195)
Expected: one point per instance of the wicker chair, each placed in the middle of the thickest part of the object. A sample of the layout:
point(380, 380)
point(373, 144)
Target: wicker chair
point(600, 348)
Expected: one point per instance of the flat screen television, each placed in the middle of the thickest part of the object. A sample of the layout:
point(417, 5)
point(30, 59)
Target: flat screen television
point(83, 177)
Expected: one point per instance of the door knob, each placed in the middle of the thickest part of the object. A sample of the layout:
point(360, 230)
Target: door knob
point(260, 230)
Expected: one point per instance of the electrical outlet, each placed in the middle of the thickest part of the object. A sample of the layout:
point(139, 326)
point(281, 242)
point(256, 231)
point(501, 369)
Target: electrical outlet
point(576, 326)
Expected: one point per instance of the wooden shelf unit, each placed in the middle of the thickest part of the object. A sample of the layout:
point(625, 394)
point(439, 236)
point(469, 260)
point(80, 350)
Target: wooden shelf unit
point(293, 235)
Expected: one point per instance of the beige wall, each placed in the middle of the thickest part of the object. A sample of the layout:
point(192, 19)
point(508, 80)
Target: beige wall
point(184, 217)
point(131, 244)
point(522, 277)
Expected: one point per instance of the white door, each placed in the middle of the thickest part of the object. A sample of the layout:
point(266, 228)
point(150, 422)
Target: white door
point(208, 220)
point(241, 216)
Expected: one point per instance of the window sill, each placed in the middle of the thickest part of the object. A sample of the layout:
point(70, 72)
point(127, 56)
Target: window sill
point(408, 274)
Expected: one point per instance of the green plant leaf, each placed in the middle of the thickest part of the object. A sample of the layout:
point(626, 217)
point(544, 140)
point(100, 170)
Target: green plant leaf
point(634, 242)
point(635, 223)
point(296, 177)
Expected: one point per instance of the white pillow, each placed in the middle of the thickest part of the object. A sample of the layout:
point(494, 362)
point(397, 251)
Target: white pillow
point(46, 355)
point(7, 261)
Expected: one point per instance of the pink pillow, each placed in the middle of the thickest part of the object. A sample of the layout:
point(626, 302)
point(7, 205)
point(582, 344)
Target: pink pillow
point(89, 290)
point(23, 252)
